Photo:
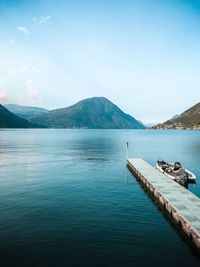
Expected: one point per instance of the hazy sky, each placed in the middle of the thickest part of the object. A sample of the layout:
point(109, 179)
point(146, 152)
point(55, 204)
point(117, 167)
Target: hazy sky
point(142, 55)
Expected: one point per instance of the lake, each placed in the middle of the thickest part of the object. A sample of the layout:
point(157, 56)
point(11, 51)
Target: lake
point(68, 199)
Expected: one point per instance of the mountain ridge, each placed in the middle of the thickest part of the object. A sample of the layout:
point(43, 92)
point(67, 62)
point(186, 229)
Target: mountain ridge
point(10, 120)
point(90, 113)
point(25, 112)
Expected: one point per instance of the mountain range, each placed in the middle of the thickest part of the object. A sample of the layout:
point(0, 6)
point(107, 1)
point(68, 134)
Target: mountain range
point(91, 113)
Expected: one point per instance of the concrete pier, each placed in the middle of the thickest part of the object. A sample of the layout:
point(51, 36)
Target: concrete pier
point(182, 206)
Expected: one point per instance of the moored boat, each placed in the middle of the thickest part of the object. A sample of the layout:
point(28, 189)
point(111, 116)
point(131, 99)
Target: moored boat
point(176, 172)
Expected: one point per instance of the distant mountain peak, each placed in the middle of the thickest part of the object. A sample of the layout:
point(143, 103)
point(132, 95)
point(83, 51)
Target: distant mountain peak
point(94, 112)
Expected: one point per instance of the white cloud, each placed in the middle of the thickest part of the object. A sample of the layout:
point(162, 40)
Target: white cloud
point(31, 93)
point(8, 72)
point(12, 42)
point(3, 96)
point(42, 19)
point(23, 29)
point(29, 67)
point(25, 67)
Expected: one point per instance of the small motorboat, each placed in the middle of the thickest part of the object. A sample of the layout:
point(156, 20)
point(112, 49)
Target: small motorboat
point(176, 172)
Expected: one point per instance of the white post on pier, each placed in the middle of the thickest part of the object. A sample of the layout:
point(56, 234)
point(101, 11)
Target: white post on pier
point(127, 144)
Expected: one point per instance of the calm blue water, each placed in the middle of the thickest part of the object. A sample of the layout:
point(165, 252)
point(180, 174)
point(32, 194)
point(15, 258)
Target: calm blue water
point(67, 198)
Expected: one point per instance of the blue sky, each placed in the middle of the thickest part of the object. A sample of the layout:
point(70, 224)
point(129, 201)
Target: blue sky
point(142, 55)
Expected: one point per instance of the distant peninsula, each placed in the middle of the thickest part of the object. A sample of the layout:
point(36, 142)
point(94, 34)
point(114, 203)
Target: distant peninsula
point(189, 119)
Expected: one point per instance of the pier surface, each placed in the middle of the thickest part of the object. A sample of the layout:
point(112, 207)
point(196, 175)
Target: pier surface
point(182, 205)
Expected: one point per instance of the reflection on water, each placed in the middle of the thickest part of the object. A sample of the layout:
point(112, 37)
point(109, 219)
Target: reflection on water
point(67, 198)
